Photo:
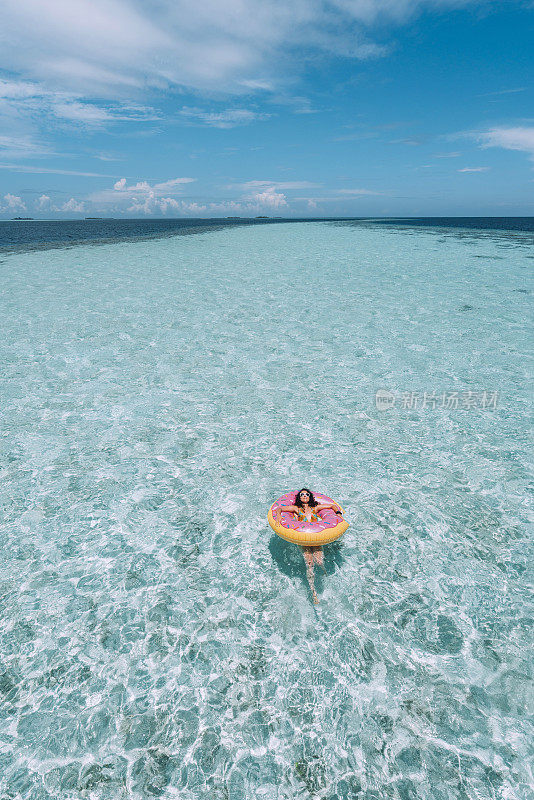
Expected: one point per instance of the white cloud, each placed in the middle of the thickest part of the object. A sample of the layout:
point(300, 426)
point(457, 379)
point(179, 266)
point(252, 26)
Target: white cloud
point(18, 98)
point(114, 47)
point(92, 115)
point(73, 205)
point(150, 205)
point(82, 112)
point(298, 104)
point(73, 43)
point(411, 142)
point(43, 202)
point(518, 138)
point(341, 196)
point(14, 203)
point(51, 171)
point(473, 169)
point(143, 197)
point(148, 199)
point(22, 146)
point(16, 90)
point(256, 203)
point(268, 199)
point(172, 185)
point(229, 118)
point(108, 157)
point(255, 85)
point(284, 185)
point(503, 91)
point(257, 197)
point(357, 191)
point(92, 63)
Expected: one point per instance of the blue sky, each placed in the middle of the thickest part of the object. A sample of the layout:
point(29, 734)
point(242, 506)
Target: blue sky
point(279, 107)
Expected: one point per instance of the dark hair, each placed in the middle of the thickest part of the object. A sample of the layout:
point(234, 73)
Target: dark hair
point(312, 502)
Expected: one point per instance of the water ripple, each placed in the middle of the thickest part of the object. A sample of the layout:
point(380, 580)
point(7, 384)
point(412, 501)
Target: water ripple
point(157, 639)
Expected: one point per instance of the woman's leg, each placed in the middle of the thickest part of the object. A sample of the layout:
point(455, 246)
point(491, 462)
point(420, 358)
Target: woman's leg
point(308, 558)
point(318, 555)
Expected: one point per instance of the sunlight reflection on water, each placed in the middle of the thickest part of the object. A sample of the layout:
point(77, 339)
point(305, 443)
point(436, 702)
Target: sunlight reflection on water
point(158, 639)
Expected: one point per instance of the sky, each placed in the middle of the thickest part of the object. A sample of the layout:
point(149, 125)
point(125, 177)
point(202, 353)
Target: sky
point(292, 108)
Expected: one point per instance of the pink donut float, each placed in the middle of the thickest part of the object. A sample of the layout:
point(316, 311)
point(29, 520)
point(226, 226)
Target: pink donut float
point(330, 528)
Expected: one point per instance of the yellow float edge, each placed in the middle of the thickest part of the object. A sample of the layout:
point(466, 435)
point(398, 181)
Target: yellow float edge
point(307, 539)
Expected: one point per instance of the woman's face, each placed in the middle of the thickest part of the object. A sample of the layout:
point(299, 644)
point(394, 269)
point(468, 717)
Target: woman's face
point(304, 497)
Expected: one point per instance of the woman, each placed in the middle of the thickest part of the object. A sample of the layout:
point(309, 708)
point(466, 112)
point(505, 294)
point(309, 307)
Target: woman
point(306, 507)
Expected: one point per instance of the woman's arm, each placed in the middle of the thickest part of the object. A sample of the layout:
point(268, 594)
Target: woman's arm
point(334, 506)
point(278, 512)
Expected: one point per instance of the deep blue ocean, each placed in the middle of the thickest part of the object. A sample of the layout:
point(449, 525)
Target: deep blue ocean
point(33, 234)
point(159, 391)
point(28, 234)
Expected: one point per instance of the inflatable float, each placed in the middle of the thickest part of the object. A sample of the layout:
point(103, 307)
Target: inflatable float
point(306, 533)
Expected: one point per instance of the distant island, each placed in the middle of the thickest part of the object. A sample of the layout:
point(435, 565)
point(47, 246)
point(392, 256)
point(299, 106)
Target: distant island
point(19, 218)
point(99, 217)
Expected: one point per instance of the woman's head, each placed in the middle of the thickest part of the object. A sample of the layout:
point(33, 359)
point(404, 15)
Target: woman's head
point(305, 497)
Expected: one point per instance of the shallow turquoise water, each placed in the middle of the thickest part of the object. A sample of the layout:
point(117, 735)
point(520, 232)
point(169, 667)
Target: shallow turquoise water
point(157, 639)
